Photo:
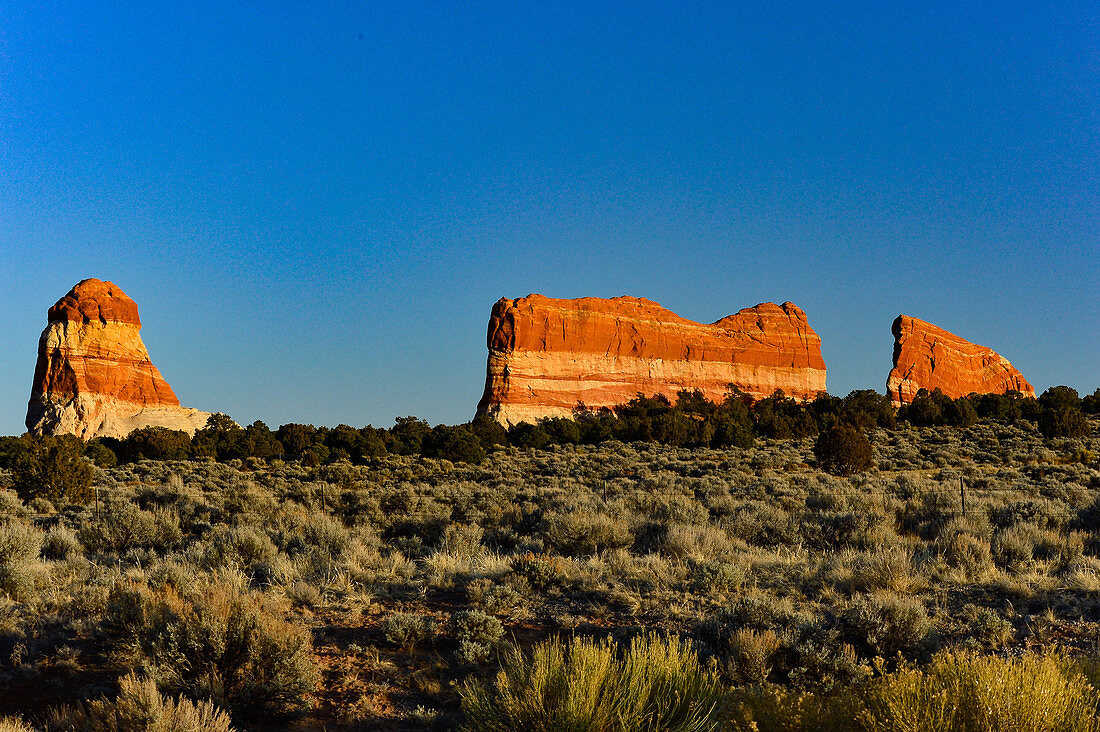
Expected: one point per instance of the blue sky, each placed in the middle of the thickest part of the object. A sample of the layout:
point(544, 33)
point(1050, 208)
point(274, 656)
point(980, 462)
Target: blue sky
point(316, 207)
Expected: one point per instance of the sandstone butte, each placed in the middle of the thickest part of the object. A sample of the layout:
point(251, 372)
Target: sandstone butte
point(927, 357)
point(547, 355)
point(94, 377)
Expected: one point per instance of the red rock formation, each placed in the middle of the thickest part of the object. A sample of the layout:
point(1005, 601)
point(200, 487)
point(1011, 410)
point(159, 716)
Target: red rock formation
point(94, 377)
point(546, 355)
point(927, 357)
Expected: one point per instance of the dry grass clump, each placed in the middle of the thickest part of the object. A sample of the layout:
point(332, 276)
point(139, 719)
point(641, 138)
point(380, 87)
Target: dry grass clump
point(974, 693)
point(140, 707)
point(956, 691)
point(658, 684)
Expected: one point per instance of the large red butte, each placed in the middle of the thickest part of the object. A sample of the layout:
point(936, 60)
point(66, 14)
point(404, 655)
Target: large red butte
point(927, 357)
point(547, 355)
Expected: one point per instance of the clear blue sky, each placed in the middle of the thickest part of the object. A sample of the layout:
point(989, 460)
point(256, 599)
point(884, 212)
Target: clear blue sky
point(315, 205)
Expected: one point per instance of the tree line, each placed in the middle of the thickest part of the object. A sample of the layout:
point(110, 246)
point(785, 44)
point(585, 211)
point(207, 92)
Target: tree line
point(50, 466)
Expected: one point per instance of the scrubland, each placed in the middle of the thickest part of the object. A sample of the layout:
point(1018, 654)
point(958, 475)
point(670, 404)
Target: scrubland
point(955, 584)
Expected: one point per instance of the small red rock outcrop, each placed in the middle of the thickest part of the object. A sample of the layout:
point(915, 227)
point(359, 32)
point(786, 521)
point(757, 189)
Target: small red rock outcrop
point(546, 355)
point(927, 357)
point(94, 377)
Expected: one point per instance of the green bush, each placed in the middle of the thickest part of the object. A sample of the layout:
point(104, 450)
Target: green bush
point(888, 625)
point(53, 468)
point(581, 533)
point(406, 630)
point(658, 684)
point(477, 634)
point(1063, 422)
point(155, 443)
point(457, 444)
point(843, 450)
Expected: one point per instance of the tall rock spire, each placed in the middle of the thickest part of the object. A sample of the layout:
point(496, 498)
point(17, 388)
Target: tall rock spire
point(94, 377)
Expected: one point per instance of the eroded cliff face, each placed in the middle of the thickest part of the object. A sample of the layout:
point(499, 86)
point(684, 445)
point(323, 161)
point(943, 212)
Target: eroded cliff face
point(94, 377)
point(547, 355)
point(927, 357)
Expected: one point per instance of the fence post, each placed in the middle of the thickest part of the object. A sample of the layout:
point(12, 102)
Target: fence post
point(962, 495)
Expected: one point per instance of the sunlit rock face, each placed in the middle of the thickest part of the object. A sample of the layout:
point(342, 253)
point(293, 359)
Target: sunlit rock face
point(547, 355)
point(927, 357)
point(94, 377)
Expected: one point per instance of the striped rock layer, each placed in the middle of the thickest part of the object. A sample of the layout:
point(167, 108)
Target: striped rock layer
point(94, 377)
point(927, 357)
point(547, 355)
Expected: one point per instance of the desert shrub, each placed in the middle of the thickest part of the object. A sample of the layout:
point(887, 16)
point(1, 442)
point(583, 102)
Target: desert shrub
point(125, 526)
point(843, 450)
point(811, 653)
point(406, 630)
point(140, 707)
point(887, 625)
point(214, 643)
point(716, 576)
point(541, 571)
point(818, 659)
point(19, 549)
point(658, 684)
point(53, 468)
point(303, 594)
point(60, 543)
point(581, 533)
point(477, 634)
point(15, 724)
point(462, 540)
point(491, 597)
point(833, 530)
point(19, 542)
point(242, 547)
point(986, 628)
point(697, 542)
point(325, 534)
point(966, 552)
point(1014, 547)
point(1042, 513)
point(17, 580)
point(763, 524)
point(749, 655)
point(888, 568)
